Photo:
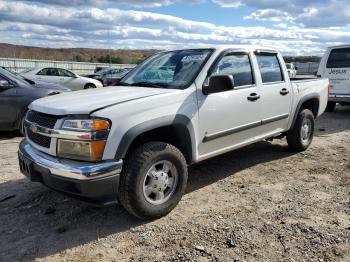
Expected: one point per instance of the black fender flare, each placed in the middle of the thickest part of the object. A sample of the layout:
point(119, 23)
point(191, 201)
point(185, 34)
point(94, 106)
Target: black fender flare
point(134, 132)
point(301, 102)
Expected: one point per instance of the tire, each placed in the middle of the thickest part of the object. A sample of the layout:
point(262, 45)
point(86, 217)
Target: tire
point(330, 106)
point(300, 136)
point(21, 130)
point(89, 86)
point(142, 172)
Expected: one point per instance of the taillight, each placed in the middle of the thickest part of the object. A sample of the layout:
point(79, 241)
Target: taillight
point(318, 76)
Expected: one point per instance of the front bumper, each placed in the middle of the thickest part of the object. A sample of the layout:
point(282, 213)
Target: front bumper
point(96, 183)
point(343, 99)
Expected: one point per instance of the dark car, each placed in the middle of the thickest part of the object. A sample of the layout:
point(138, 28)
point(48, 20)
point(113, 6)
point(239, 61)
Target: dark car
point(113, 79)
point(16, 94)
point(99, 68)
point(109, 72)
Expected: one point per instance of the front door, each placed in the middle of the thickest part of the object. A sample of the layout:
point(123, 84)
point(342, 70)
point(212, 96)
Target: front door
point(231, 118)
point(67, 78)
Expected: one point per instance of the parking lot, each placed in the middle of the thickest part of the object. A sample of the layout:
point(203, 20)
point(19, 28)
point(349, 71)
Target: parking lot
point(276, 205)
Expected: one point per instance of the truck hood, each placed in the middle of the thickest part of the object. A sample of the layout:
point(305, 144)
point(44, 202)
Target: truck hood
point(86, 101)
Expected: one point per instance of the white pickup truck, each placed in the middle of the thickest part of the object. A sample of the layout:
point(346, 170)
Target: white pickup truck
point(132, 143)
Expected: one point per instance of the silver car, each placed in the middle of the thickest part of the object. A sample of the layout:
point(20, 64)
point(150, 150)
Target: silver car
point(61, 76)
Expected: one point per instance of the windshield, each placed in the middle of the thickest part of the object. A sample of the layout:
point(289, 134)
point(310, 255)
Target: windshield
point(174, 69)
point(12, 76)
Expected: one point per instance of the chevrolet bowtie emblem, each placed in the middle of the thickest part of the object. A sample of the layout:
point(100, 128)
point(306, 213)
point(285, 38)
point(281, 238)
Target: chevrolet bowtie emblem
point(33, 128)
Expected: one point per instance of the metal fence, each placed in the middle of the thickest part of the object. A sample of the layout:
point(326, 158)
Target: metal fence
point(307, 68)
point(18, 65)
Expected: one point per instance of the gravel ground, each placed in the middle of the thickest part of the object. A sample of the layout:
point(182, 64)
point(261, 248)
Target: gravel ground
point(260, 203)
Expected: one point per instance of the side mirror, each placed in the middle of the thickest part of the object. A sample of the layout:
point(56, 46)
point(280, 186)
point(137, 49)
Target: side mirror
point(218, 83)
point(4, 84)
point(296, 68)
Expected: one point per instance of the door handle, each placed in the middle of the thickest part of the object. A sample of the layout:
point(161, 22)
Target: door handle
point(284, 92)
point(253, 97)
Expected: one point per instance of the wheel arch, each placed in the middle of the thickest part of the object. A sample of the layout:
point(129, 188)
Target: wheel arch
point(311, 102)
point(177, 131)
point(89, 84)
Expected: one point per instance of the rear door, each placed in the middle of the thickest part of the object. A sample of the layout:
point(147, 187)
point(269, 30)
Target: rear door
point(276, 96)
point(337, 69)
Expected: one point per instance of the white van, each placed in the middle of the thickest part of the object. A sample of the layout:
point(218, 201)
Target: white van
point(335, 65)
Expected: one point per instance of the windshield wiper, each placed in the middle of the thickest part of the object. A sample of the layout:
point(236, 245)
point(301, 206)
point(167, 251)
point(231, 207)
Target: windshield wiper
point(149, 84)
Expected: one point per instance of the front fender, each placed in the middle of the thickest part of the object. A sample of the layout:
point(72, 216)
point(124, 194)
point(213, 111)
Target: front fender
point(134, 132)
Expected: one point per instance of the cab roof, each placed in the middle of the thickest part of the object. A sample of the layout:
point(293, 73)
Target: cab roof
point(339, 46)
point(247, 48)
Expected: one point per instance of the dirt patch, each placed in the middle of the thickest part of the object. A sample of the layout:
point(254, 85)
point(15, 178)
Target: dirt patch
point(280, 206)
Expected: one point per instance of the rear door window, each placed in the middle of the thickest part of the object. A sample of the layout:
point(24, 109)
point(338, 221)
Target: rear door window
point(270, 68)
point(48, 72)
point(339, 58)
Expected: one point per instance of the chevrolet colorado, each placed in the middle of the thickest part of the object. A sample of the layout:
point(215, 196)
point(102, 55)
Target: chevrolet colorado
point(132, 143)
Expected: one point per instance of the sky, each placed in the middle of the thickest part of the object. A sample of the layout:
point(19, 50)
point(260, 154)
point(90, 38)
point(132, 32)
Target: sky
point(300, 27)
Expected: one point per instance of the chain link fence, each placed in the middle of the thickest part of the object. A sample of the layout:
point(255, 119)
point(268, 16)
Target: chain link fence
point(18, 65)
point(307, 68)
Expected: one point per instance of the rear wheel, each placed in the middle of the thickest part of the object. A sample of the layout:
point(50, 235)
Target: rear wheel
point(330, 106)
point(153, 180)
point(300, 136)
point(89, 86)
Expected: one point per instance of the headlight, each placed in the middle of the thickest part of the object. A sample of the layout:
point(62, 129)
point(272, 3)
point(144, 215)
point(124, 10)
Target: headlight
point(86, 124)
point(89, 142)
point(81, 150)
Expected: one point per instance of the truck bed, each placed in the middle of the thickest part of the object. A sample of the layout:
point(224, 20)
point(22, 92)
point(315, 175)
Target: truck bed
point(304, 88)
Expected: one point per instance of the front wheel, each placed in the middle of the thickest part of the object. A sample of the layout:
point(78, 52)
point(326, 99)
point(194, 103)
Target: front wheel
point(89, 86)
point(300, 136)
point(153, 180)
point(21, 128)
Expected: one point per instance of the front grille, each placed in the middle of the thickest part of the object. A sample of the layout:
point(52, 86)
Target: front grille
point(38, 139)
point(41, 119)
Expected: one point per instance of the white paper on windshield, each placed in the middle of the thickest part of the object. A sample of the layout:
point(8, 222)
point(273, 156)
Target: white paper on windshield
point(191, 58)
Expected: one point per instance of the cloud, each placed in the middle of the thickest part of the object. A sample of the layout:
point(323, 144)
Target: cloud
point(311, 13)
point(133, 3)
point(81, 26)
point(270, 15)
point(228, 4)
